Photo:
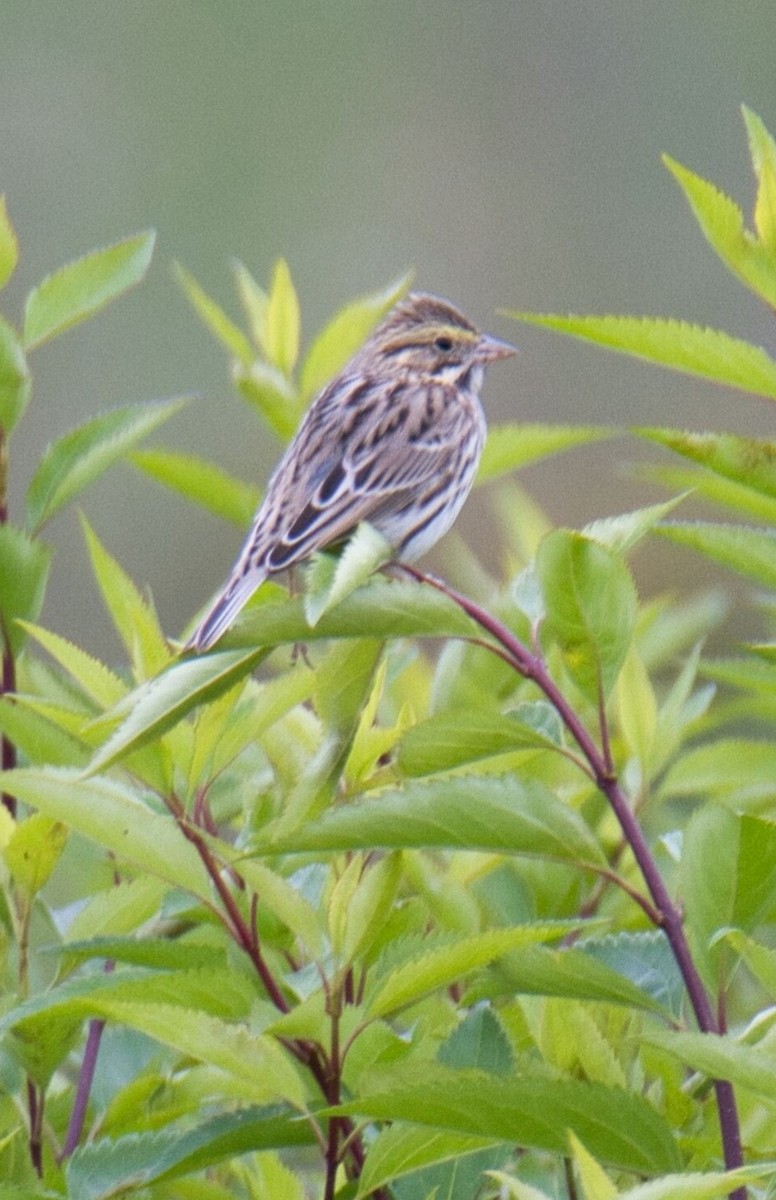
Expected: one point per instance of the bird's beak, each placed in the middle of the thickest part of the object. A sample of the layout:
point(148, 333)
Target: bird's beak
point(491, 349)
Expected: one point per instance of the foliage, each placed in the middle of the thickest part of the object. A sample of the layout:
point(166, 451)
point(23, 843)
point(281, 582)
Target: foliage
point(475, 897)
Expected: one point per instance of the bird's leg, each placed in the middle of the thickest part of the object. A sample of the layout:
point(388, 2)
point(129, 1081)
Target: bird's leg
point(299, 649)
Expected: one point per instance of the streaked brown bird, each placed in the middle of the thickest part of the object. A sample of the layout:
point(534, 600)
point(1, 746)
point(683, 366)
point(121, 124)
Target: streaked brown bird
point(394, 439)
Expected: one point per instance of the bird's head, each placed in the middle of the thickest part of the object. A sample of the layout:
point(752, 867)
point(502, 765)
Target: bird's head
point(427, 336)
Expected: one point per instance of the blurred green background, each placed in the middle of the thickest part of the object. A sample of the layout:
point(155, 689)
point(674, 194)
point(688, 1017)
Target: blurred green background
point(509, 152)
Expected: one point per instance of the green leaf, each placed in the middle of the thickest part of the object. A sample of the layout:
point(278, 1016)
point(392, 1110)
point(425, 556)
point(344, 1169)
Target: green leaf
point(331, 580)
point(728, 877)
point(24, 567)
point(132, 998)
point(400, 1149)
point(720, 1057)
point(749, 552)
point(714, 488)
point(201, 481)
point(268, 391)
point(256, 1061)
point(110, 1167)
point(282, 898)
point(343, 680)
point(506, 815)
point(82, 455)
point(40, 1049)
point(133, 617)
point(763, 151)
point(160, 703)
point(9, 245)
point(452, 960)
point(749, 461)
point(722, 223)
point(514, 1189)
point(637, 709)
point(158, 953)
point(214, 318)
point(760, 959)
point(574, 973)
point(338, 341)
point(478, 1041)
point(371, 907)
point(624, 532)
point(620, 1127)
point(230, 725)
point(696, 1186)
point(120, 909)
point(209, 988)
point(97, 681)
point(380, 609)
point(37, 737)
point(81, 288)
point(591, 607)
point(644, 958)
point(453, 738)
point(281, 321)
point(14, 379)
point(254, 301)
point(708, 881)
point(708, 353)
point(33, 851)
point(596, 1184)
point(514, 445)
point(114, 816)
point(738, 771)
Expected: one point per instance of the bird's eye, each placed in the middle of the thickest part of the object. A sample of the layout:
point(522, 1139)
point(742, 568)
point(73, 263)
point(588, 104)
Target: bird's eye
point(444, 343)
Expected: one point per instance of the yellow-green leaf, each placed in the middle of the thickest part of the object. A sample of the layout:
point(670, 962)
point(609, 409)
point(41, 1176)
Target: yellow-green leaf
point(134, 617)
point(97, 680)
point(344, 334)
point(591, 604)
point(708, 353)
point(113, 816)
point(763, 151)
point(596, 1184)
point(9, 245)
point(255, 302)
point(206, 484)
point(515, 445)
point(267, 389)
point(282, 321)
point(81, 456)
point(33, 851)
point(81, 288)
point(24, 566)
point(331, 580)
point(214, 318)
point(14, 379)
point(722, 223)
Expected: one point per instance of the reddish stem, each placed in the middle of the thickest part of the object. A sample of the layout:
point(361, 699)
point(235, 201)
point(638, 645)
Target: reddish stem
point(532, 666)
point(85, 1080)
point(8, 673)
point(245, 935)
point(35, 1104)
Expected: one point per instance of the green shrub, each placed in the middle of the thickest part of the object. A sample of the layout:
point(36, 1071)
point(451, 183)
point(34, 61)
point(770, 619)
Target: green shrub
point(477, 896)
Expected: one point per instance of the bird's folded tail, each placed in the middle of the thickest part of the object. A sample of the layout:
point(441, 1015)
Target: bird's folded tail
point(224, 609)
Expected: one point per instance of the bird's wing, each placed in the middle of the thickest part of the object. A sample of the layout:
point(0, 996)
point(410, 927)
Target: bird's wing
point(376, 459)
point(359, 455)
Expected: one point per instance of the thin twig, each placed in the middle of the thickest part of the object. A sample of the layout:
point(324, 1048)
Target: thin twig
point(246, 936)
point(8, 755)
point(35, 1103)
